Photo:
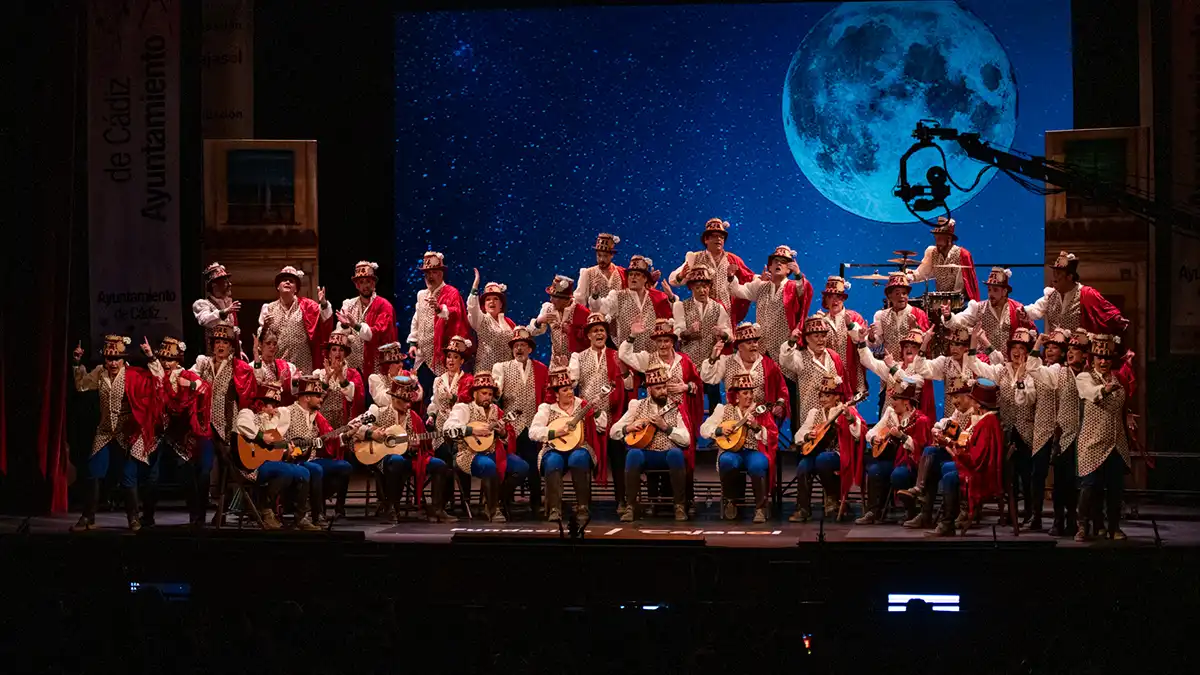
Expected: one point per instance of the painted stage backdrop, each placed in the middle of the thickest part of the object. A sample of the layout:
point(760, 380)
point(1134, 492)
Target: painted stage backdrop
point(519, 135)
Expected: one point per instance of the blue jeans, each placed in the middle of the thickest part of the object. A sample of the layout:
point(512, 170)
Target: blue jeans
point(484, 466)
point(819, 463)
point(640, 460)
point(202, 462)
point(753, 462)
point(136, 472)
point(331, 468)
point(272, 470)
point(97, 464)
point(554, 460)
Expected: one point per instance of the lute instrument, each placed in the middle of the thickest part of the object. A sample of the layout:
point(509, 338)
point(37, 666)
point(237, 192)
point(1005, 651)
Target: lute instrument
point(250, 454)
point(733, 432)
point(821, 433)
point(396, 441)
point(485, 443)
point(885, 444)
point(641, 438)
point(564, 441)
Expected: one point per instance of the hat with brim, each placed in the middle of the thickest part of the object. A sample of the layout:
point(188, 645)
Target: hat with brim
point(783, 253)
point(522, 334)
point(957, 384)
point(640, 264)
point(558, 378)
point(715, 226)
point(836, 286)
point(746, 332)
point(402, 385)
point(816, 323)
point(223, 331)
point(215, 271)
point(114, 346)
point(607, 243)
point(656, 375)
point(596, 319)
point(831, 384)
point(1104, 346)
point(392, 353)
point(171, 349)
point(561, 287)
point(1066, 262)
point(906, 389)
point(494, 289)
point(270, 392)
point(309, 386)
point(289, 273)
point(483, 380)
point(458, 345)
point(897, 280)
point(945, 226)
point(956, 335)
point(1022, 336)
point(432, 260)
point(741, 382)
point(364, 270)
point(986, 394)
point(664, 328)
point(700, 274)
point(913, 337)
point(1001, 277)
point(337, 340)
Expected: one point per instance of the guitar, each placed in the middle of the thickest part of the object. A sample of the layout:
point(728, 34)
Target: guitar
point(397, 441)
point(481, 444)
point(733, 432)
point(249, 454)
point(641, 439)
point(565, 441)
point(823, 431)
point(954, 436)
point(298, 447)
point(886, 443)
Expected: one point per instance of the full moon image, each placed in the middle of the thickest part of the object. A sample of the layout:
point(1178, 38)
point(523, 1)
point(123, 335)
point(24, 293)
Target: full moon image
point(863, 77)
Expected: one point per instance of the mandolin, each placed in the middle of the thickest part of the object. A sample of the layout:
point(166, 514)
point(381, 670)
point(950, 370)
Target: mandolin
point(250, 454)
point(480, 444)
point(733, 432)
point(641, 439)
point(397, 441)
point(821, 433)
point(564, 440)
point(886, 444)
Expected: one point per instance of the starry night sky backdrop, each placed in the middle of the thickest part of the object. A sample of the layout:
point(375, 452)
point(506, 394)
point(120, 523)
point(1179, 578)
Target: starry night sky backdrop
point(521, 134)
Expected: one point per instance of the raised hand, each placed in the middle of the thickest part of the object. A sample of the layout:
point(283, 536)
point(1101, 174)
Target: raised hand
point(78, 353)
point(412, 351)
point(945, 311)
point(794, 268)
point(344, 318)
point(873, 334)
point(888, 360)
point(320, 295)
point(475, 285)
point(146, 347)
point(717, 349)
point(676, 388)
point(637, 327)
point(694, 328)
point(797, 334)
point(766, 274)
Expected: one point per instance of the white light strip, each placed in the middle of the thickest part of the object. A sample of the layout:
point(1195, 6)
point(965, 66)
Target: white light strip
point(897, 608)
point(945, 608)
point(900, 599)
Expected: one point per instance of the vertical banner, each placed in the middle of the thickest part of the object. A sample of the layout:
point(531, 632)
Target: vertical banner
point(1185, 167)
point(133, 168)
point(227, 69)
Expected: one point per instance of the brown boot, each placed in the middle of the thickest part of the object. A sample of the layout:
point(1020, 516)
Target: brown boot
point(873, 514)
point(91, 498)
point(633, 485)
point(803, 500)
point(1086, 496)
point(435, 512)
point(728, 506)
point(679, 493)
point(131, 508)
point(554, 490)
point(924, 518)
point(491, 495)
point(761, 505)
point(581, 480)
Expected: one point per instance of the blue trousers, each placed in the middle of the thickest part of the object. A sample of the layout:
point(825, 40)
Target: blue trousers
point(484, 466)
point(272, 470)
point(554, 460)
point(640, 460)
point(97, 464)
point(1109, 476)
point(823, 463)
point(136, 473)
point(753, 462)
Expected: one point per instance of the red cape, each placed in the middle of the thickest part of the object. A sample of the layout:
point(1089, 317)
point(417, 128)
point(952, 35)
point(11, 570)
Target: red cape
point(617, 400)
point(592, 437)
point(318, 331)
point(768, 422)
point(184, 422)
point(919, 430)
point(144, 393)
point(506, 447)
point(332, 449)
point(738, 308)
point(1098, 315)
point(851, 451)
point(981, 465)
point(693, 406)
point(576, 336)
point(424, 452)
point(455, 324)
point(795, 304)
point(662, 305)
point(381, 318)
point(774, 387)
point(285, 381)
point(852, 364)
point(970, 283)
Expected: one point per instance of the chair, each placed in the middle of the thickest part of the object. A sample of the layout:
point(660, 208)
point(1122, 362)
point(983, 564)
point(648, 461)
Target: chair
point(244, 492)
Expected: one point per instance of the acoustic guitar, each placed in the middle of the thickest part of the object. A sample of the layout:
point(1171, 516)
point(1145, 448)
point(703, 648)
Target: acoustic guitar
point(954, 437)
point(249, 454)
point(299, 447)
point(396, 442)
point(733, 432)
point(565, 441)
point(889, 443)
point(481, 444)
point(641, 439)
point(821, 433)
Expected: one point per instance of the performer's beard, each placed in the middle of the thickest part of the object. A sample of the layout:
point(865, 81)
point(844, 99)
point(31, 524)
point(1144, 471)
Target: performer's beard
point(659, 401)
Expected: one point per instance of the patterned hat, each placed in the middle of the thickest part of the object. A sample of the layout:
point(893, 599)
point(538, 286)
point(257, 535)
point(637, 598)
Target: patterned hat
point(496, 289)
point(223, 331)
point(1104, 345)
point(960, 335)
point(741, 381)
point(215, 271)
point(657, 374)
point(171, 349)
point(1081, 339)
point(897, 280)
point(986, 394)
point(1058, 336)
point(784, 253)
point(402, 385)
point(458, 345)
point(309, 385)
point(559, 377)
point(114, 346)
point(907, 388)
point(289, 272)
point(640, 263)
point(945, 226)
point(1022, 336)
point(817, 323)
point(700, 274)
point(836, 285)
point(607, 242)
point(957, 384)
point(432, 260)
point(1066, 261)
point(596, 319)
point(483, 380)
point(831, 384)
point(522, 334)
point(393, 352)
point(1000, 276)
point(715, 225)
point(746, 331)
point(914, 336)
point(338, 340)
point(270, 391)
point(561, 287)
point(364, 270)
point(664, 328)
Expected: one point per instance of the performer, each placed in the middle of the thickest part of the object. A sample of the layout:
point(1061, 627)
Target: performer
point(184, 415)
point(947, 366)
point(890, 325)
point(232, 386)
point(268, 367)
point(302, 323)
point(593, 368)
point(939, 258)
point(700, 321)
point(780, 304)
point(521, 386)
point(1018, 396)
point(723, 266)
point(666, 447)
point(218, 305)
point(892, 371)
point(563, 317)
point(582, 460)
point(836, 461)
point(936, 461)
point(485, 313)
point(811, 365)
point(769, 386)
point(499, 460)
point(1103, 441)
point(1065, 493)
point(596, 282)
point(684, 385)
point(910, 429)
point(389, 363)
point(450, 388)
point(840, 319)
point(440, 313)
point(343, 399)
point(1044, 370)
point(1069, 304)
point(367, 320)
point(639, 303)
point(267, 418)
point(129, 412)
point(999, 316)
point(417, 461)
point(756, 456)
point(978, 466)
